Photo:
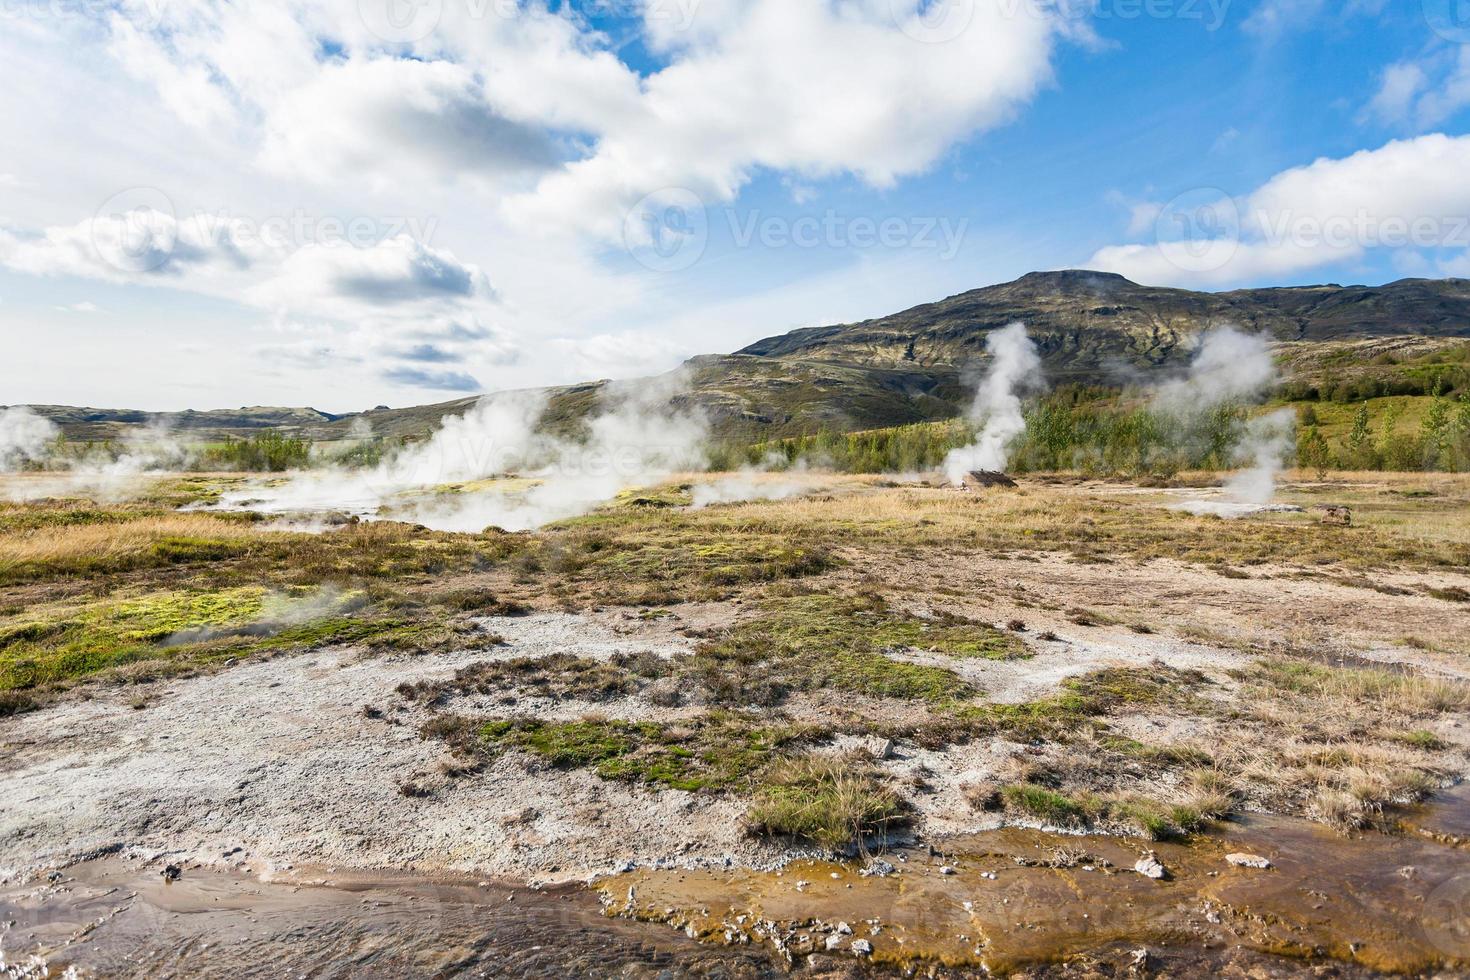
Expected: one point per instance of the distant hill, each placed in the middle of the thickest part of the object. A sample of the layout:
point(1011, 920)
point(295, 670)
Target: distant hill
point(1092, 327)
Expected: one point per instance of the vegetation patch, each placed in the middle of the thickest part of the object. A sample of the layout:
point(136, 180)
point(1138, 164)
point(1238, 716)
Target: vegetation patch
point(720, 750)
point(179, 629)
point(560, 675)
point(830, 801)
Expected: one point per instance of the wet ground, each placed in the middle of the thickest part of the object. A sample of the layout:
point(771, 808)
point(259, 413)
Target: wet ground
point(1013, 898)
point(1004, 901)
point(115, 918)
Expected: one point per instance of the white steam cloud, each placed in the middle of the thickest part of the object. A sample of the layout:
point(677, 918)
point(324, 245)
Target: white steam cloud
point(1269, 443)
point(638, 438)
point(24, 437)
point(1229, 367)
point(1015, 370)
point(1232, 367)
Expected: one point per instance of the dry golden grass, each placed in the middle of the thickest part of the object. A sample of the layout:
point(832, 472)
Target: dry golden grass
point(87, 543)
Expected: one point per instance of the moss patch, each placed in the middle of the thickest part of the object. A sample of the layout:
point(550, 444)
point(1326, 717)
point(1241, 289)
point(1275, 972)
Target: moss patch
point(718, 751)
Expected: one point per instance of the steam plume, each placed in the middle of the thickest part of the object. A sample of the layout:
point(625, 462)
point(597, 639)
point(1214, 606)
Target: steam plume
point(24, 436)
point(1016, 369)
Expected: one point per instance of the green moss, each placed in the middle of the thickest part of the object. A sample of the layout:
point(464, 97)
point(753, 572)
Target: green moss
point(715, 752)
point(843, 642)
point(66, 642)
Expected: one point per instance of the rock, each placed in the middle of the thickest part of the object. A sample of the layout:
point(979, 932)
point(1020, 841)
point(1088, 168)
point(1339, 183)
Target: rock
point(1150, 867)
point(834, 942)
point(843, 929)
point(947, 870)
point(880, 748)
point(1140, 958)
point(986, 479)
point(1337, 516)
point(172, 873)
point(878, 868)
point(1248, 861)
point(862, 947)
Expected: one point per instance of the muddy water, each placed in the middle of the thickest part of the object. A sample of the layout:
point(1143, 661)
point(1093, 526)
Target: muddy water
point(110, 918)
point(1007, 900)
point(1015, 897)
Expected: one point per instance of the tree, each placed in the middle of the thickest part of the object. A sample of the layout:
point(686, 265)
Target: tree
point(1313, 452)
point(1358, 444)
point(1434, 433)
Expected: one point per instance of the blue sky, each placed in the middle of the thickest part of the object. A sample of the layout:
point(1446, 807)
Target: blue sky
point(203, 208)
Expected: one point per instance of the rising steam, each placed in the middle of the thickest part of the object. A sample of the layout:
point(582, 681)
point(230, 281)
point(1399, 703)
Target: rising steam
point(637, 438)
point(1234, 368)
point(1014, 371)
point(24, 438)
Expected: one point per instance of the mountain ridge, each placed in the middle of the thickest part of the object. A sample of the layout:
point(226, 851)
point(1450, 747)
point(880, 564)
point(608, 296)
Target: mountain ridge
point(1092, 328)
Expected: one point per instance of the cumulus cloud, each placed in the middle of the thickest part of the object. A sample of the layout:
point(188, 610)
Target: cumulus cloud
point(397, 118)
point(1408, 194)
point(772, 84)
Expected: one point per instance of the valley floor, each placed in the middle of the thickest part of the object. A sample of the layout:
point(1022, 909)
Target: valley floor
point(1000, 701)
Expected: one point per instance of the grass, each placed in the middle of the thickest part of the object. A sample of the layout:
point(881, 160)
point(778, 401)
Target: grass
point(717, 751)
point(160, 633)
point(815, 641)
point(830, 801)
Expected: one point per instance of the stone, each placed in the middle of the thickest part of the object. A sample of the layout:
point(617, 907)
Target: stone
point(1248, 861)
point(1151, 867)
point(862, 947)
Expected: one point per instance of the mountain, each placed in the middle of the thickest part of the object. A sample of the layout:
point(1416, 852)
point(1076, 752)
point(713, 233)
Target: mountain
point(1092, 327)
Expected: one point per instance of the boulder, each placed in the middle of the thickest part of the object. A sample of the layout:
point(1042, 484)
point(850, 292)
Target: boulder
point(986, 479)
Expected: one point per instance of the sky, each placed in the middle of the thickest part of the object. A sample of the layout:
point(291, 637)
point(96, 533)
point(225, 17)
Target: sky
point(347, 203)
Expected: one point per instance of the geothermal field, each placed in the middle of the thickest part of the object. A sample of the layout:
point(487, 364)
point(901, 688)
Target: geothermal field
point(586, 705)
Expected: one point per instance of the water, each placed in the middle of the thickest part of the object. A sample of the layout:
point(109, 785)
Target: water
point(111, 918)
point(1019, 899)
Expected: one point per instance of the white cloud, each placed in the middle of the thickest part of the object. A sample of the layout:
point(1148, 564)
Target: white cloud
point(397, 119)
point(774, 84)
point(340, 279)
point(1419, 95)
point(1408, 194)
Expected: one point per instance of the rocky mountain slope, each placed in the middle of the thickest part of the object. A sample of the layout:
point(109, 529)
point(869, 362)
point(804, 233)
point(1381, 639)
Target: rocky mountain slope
point(1093, 328)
